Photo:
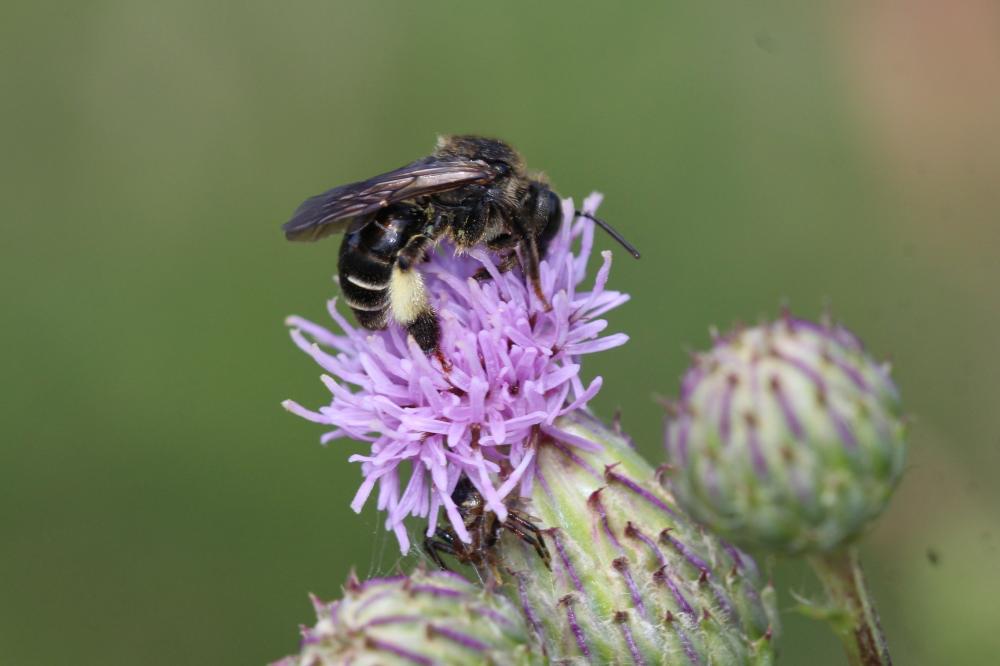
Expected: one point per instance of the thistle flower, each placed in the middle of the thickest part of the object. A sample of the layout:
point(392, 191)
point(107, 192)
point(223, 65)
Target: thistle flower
point(786, 436)
point(424, 618)
point(633, 580)
point(513, 370)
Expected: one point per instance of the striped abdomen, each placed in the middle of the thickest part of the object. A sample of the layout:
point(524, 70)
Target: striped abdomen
point(378, 277)
point(367, 259)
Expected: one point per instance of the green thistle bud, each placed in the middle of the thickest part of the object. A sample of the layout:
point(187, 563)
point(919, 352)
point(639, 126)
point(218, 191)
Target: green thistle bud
point(633, 580)
point(424, 618)
point(787, 436)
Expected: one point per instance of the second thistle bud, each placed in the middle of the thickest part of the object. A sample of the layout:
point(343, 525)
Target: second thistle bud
point(787, 436)
point(434, 618)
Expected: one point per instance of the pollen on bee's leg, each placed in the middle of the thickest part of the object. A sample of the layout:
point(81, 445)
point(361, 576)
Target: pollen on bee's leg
point(408, 301)
point(407, 296)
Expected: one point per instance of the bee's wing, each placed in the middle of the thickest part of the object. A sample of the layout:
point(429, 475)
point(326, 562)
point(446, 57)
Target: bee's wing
point(332, 211)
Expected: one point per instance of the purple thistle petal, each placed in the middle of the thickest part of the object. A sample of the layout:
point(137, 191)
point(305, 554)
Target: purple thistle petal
point(585, 396)
point(516, 475)
point(454, 517)
point(575, 440)
point(363, 492)
point(600, 344)
point(299, 410)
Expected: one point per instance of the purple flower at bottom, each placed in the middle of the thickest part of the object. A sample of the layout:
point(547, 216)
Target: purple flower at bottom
point(513, 370)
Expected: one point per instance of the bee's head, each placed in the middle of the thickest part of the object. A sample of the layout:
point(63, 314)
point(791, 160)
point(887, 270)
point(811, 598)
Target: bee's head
point(491, 151)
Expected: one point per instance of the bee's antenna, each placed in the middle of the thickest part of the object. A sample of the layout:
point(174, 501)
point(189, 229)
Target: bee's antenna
point(611, 232)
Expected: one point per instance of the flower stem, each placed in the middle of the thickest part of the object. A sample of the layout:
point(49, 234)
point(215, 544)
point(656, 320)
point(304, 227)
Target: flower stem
point(854, 617)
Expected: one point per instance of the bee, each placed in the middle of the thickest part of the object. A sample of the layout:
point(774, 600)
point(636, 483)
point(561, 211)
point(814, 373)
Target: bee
point(472, 190)
point(485, 529)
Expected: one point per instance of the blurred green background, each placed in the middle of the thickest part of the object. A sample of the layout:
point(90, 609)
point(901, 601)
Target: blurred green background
point(158, 505)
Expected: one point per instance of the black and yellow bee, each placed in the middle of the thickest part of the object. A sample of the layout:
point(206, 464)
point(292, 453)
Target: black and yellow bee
point(472, 190)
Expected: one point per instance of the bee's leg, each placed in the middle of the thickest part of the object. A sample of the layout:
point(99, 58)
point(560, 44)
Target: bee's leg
point(508, 261)
point(490, 531)
point(532, 271)
point(487, 533)
point(529, 533)
point(441, 542)
point(408, 298)
point(502, 242)
point(531, 258)
point(541, 228)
